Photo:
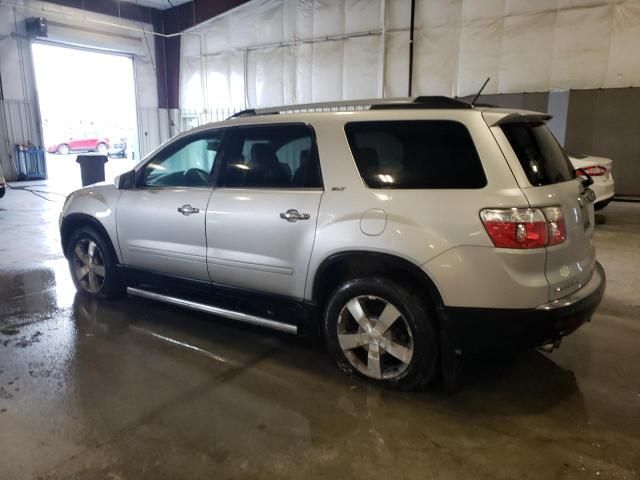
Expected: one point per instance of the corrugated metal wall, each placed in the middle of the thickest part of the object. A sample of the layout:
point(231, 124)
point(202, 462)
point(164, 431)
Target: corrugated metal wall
point(19, 122)
point(602, 122)
point(606, 122)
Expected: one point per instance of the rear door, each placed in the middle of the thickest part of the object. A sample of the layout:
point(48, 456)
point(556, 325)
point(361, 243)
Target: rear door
point(547, 178)
point(261, 220)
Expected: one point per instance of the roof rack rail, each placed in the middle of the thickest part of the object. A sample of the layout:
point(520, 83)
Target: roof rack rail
point(250, 112)
point(243, 113)
point(434, 102)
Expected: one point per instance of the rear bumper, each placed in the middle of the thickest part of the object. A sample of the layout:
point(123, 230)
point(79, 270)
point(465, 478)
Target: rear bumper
point(476, 331)
point(604, 189)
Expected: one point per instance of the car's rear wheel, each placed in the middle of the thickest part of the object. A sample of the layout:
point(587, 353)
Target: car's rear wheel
point(2, 191)
point(63, 149)
point(93, 267)
point(383, 331)
point(102, 149)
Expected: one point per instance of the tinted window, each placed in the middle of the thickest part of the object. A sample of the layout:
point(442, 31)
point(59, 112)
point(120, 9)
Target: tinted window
point(540, 154)
point(272, 156)
point(184, 165)
point(415, 154)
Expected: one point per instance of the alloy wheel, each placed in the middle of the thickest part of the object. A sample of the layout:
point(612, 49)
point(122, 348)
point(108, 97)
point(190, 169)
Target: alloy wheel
point(88, 266)
point(375, 337)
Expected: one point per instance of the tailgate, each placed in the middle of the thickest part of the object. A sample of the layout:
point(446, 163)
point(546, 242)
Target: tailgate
point(570, 264)
point(547, 179)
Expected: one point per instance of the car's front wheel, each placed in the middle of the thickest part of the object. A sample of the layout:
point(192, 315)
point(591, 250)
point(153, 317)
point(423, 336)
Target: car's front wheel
point(382, 330)
point(102, 149)
point(93, 267)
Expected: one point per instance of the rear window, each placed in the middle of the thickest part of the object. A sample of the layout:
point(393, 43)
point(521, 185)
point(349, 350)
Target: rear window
point(541, 156)
point(415, 154)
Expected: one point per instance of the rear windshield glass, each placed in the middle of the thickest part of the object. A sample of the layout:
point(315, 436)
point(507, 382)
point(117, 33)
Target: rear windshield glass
point(415, 154)
point(541, 156)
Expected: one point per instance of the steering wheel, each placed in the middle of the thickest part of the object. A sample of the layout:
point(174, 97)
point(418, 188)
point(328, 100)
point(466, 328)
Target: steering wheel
point(196, 177)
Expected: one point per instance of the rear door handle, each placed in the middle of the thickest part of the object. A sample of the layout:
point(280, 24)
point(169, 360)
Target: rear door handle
point(188, 210)
point(293, 215)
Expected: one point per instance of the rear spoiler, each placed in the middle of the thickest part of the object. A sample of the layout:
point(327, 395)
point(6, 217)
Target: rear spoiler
point(501, 117)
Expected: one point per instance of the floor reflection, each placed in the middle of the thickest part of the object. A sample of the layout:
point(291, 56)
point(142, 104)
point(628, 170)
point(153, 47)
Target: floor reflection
point(136, 389)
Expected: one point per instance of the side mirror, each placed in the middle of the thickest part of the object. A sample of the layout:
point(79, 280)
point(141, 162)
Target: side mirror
point(126, 181)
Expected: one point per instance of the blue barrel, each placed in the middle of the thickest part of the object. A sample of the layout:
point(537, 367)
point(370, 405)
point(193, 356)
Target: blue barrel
point(30, 163)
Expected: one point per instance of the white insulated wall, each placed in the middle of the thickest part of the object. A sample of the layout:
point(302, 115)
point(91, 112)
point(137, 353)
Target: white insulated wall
point(277, 52)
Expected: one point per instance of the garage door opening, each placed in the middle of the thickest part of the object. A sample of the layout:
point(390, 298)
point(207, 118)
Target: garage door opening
point(87, 104)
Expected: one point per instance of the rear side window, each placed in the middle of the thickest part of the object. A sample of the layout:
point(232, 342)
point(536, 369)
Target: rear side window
point(541, 156)
point(415, 154)
point(272, 156)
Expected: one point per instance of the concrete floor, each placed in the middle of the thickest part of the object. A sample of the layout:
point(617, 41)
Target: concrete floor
point(132, 389)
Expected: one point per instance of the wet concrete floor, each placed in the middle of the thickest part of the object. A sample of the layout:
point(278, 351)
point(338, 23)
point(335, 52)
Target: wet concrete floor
point(132, 389)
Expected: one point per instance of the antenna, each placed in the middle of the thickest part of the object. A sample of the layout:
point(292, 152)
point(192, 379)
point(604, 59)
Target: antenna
point(473, 102)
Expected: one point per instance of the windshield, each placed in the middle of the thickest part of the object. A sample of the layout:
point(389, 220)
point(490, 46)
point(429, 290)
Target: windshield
point(541, 156)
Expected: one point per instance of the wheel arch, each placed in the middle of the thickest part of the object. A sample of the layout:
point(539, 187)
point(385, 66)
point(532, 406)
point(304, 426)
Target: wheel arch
point(74, 221)
point(350, 264)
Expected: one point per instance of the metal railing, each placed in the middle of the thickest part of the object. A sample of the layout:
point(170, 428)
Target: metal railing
point(340, 106)
point(194, 118)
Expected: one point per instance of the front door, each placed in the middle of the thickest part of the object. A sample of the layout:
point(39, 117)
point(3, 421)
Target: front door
point(261, 221)
point(161, 223)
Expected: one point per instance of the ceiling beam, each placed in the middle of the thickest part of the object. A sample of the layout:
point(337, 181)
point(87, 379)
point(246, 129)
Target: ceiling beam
point(187, 15)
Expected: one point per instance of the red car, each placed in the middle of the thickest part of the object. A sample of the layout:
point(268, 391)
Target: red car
point(100, 145)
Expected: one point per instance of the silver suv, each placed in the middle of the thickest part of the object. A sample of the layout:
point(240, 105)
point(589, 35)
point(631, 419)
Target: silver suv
point(409, 234)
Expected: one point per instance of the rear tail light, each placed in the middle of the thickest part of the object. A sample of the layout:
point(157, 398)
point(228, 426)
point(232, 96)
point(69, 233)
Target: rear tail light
point(524, 227)
point(557, 229)
point(594, 171)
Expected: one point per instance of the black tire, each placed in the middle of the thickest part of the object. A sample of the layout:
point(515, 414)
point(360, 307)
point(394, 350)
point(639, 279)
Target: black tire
point(110, 286)
point(415, 315)
point(2, 191)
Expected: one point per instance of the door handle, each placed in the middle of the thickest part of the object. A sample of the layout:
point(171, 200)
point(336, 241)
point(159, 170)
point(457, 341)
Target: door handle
point(188, 210)
point(294, 215)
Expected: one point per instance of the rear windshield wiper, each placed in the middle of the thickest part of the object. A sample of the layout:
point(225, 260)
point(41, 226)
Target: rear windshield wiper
point(588, 181)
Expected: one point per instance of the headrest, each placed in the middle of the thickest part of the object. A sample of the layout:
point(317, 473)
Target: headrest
point(263, 155)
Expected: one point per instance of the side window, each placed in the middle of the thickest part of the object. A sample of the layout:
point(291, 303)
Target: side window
point(415, 154)
point(185, 165)
point(272, 156)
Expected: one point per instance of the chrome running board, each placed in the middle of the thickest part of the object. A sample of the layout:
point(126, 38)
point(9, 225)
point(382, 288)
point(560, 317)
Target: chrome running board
point(203, 307)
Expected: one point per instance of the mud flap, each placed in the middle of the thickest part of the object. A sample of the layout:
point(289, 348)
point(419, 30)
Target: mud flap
point(451, 363)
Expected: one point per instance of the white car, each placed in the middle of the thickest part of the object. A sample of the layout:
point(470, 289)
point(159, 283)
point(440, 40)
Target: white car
point(409, 234)
point(2, 183)
point(599, 169)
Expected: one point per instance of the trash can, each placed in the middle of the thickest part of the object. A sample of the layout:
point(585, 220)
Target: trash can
point(91, 168)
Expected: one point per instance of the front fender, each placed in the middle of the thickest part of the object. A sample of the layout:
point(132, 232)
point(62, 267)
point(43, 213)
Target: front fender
point(94, 206)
